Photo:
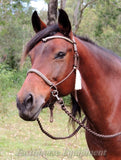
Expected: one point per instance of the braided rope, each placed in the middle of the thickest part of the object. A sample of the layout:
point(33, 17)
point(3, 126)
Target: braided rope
point(85, 127)
point(58, 138)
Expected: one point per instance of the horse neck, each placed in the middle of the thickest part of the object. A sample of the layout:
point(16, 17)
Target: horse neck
point(97, 95)
point(91, 67)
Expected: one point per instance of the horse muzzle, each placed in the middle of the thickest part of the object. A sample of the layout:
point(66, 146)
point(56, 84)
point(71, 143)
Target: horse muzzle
point(30, 106)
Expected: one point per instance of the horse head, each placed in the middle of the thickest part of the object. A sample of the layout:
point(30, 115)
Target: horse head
point(54, 59)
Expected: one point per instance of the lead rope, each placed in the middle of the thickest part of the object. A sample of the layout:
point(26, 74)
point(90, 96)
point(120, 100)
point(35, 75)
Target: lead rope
point(85, 127)
point(60, 101)
point(58, 138)
point(81, 124)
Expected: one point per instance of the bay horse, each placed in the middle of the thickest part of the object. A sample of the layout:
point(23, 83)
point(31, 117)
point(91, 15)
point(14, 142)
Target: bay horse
point(52, 57)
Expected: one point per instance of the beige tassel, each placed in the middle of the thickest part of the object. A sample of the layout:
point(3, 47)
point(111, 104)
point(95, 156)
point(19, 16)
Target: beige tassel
point(78, 84)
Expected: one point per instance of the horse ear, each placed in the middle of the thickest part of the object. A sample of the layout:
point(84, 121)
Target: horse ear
point(64, 23)
point(37, 23)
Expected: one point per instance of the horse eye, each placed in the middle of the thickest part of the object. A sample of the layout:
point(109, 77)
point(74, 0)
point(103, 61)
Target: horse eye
point(60, 55)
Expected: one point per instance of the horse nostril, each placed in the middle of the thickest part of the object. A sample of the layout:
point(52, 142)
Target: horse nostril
point(29, 101)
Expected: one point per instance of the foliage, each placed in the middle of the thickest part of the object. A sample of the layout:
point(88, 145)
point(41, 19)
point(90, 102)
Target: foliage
point(10, 78)
point(6, 77)
point(14, 31)
point(108, 25)
point(67, 100)
point(101, 21)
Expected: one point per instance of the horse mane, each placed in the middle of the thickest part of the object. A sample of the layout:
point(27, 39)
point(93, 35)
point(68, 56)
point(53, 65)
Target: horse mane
point(86, 39)
point(75, 110)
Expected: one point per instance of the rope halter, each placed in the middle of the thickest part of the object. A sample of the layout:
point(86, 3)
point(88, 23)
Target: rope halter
point(75, 66)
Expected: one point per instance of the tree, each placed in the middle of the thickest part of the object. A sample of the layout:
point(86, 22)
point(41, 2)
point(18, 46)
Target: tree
point(52, 12)
point(78, 13)
point(62, 4)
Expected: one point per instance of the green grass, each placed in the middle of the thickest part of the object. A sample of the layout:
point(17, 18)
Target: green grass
point(21, 140)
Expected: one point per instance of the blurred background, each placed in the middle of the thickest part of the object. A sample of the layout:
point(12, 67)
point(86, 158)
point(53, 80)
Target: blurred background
point(100, 20)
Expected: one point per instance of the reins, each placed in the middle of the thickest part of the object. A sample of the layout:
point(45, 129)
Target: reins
point(58, 138)
point(81, 124)
point(54, 93)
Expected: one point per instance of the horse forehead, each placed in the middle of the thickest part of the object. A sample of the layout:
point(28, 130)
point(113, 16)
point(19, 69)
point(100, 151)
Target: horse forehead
point(50, 46)
point(57, 43)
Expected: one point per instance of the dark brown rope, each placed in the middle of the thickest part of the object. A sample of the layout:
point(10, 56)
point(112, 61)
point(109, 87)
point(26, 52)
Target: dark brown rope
point(81, 124)
point(58, 138)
